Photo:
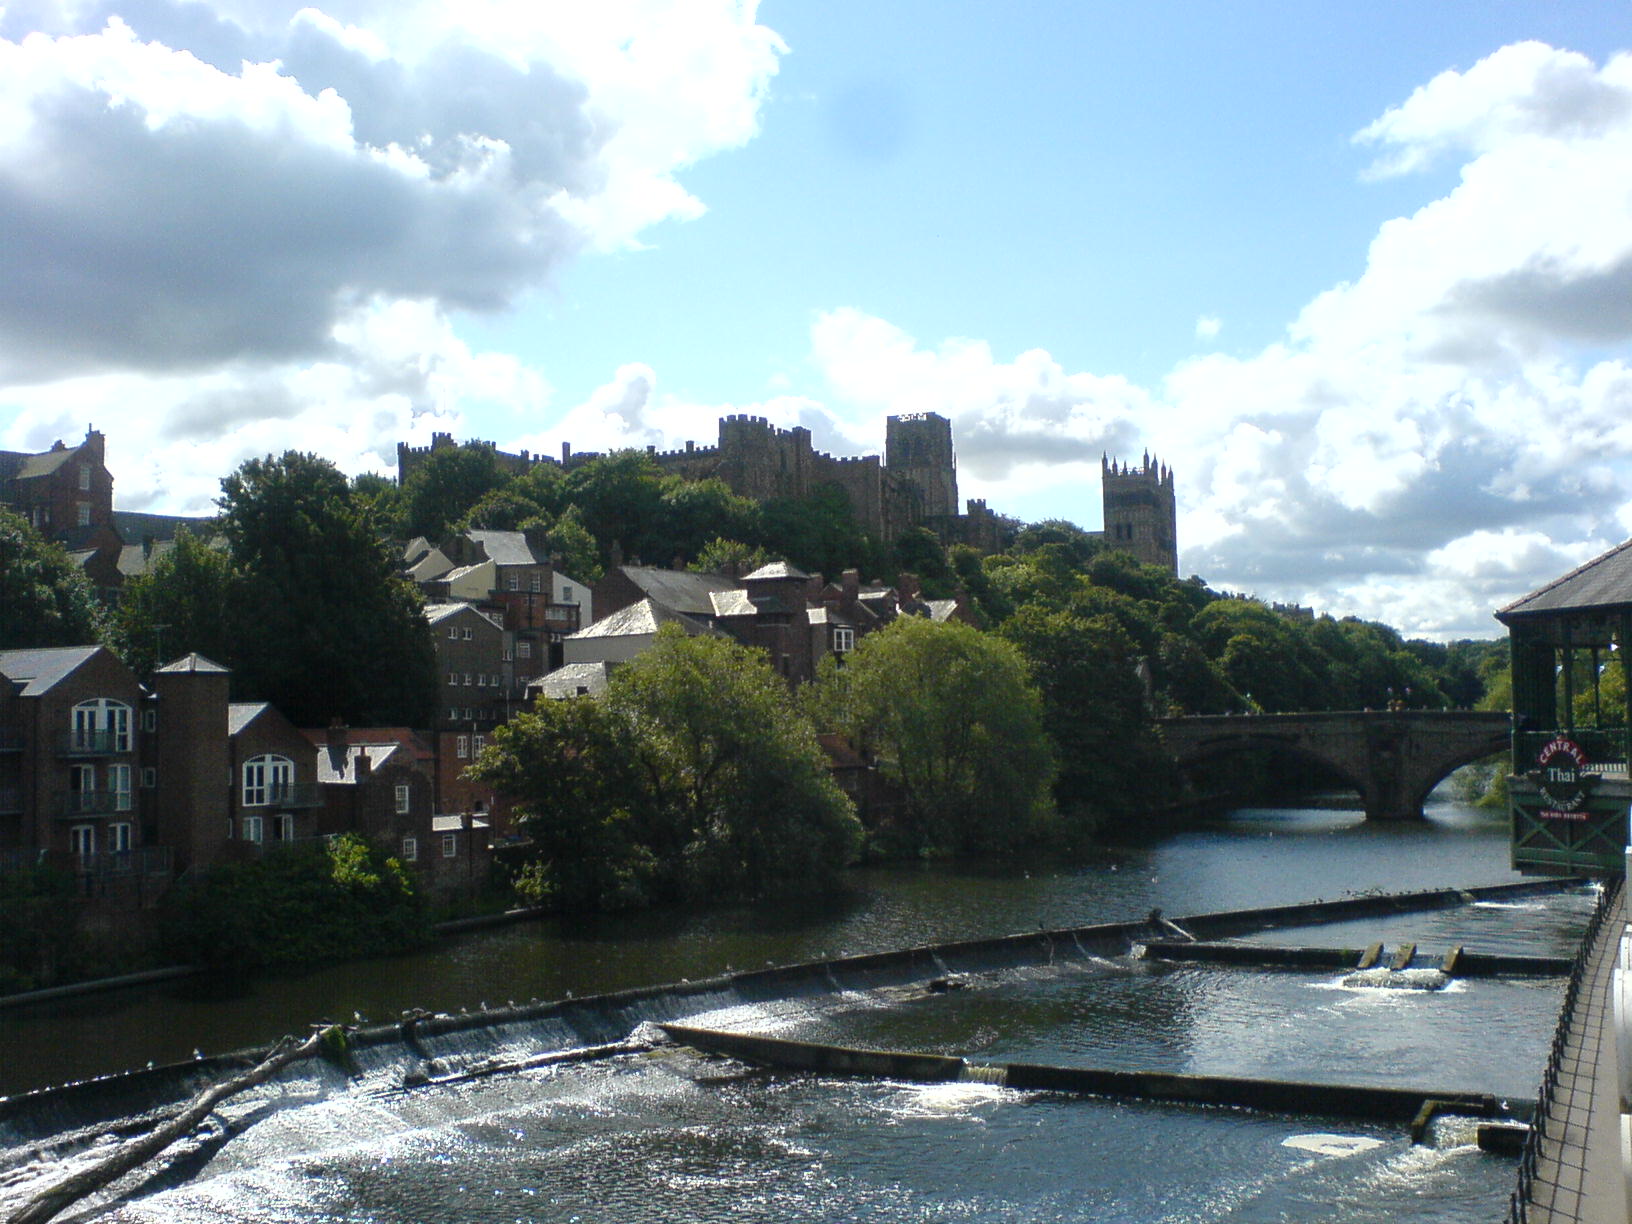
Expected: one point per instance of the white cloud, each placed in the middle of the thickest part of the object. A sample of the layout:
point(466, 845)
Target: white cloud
point(1208, 327)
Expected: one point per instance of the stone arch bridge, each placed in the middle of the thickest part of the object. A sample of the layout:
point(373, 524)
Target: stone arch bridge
point(1392, 758)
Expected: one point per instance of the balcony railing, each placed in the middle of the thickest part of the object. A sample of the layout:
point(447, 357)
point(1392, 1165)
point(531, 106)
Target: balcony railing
point(92, 743)
point(286, 795)
point(144, 860)
point(95, 803)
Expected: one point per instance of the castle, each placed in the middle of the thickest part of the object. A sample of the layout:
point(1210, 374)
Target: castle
point(914, 484)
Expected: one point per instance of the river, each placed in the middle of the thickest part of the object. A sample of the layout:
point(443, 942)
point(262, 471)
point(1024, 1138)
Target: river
point(681, 1137)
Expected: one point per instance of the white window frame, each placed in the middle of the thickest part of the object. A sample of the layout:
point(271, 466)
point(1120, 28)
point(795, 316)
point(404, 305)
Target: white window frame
point(467, 633)
point(85, 477)
point(537, 584)
point(453, 633)
point(515, 582)
point(283, 827)
point(254, 830)
point(461, 746)
point(450, 845)
point(410, 849)
point(844, 639)
point(119, 786)
point(82, 511)
point(82, 840)
point(102, 716)
point(119, 837)
point(404, 798)
point(524, 650)
point(477, 743)
point(264, 776)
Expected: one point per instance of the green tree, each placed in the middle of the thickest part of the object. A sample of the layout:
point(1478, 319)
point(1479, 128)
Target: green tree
point(694, 776)
point(334, 632)
point(619, 498)
point(568, 539)
point(720, 556)
point(444, 486)
point(192, 598)
point(957, 724)
point(45, 599)
point(694, 512)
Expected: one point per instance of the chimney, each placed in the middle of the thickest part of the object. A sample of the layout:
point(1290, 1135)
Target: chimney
point(336, 735)
point(365, 765)
point(850, 583)
point(907, 585)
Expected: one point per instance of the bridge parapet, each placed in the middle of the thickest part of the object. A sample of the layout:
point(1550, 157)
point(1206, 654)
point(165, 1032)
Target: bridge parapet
point(1392, 758)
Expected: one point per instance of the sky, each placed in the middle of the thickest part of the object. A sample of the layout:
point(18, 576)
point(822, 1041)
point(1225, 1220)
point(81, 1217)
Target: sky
point(1361, 275)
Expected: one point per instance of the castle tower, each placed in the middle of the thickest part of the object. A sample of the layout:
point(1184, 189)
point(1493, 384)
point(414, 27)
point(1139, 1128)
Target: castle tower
point(1140, 515)
point(918, 450)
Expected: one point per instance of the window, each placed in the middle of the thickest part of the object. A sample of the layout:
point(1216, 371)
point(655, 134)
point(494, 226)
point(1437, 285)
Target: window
point(515, 582)
point(537, 583)
point(85, 476)
point(566, 592)
point(453, 713)
point(467, 633)
point(254, 829)
point(467, 679)
point(843, 639)
point(119, 784)
point(493, 682)
point(509, 653)
point(284, 827)
point(410, 849)
point(453, 677)
point(119, 838)
point(481, 679)
point(450, 845)
point(477, 743)
point(461, 747)
point(453, 633)
point(150, 720)
point(101, 725)
point(83, 513)
point(150, 778)
point(470, 713)
point(267, 779)
point(82, 838)
point(524, 650)
point(82, 795)
point(403, 796)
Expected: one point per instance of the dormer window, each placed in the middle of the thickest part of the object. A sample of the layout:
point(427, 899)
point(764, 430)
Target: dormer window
point(268, 779)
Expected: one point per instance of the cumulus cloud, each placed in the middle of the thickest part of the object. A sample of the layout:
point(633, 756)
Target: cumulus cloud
point(1208, 327)
point(245, 225)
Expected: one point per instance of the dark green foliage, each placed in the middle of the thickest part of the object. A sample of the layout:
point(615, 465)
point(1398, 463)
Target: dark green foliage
point(694, 777)
point(191, 599)
point(45, 599)
point(695, 512)
point(298, 906)
point(39, 913)
point(957, 725)
point(720, 556)
point(817, 533)
point(918, 551)
point(330, 631)
point(444, 486)
point(619, 497)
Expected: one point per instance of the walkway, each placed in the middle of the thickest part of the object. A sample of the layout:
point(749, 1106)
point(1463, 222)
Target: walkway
point(1577, 1170)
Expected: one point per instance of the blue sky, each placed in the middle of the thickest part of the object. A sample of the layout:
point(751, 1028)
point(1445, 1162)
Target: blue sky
point(1347, 269)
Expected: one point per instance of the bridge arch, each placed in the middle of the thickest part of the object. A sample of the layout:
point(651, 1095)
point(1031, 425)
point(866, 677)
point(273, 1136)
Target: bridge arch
point(1392, 758)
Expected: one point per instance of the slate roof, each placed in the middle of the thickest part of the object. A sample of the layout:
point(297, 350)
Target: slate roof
point(38, 670)
point(680, 590)
point(22, 465)
point(135, 525)
point(438, 612)
point(732, 603)
point(941, 609)
point(241, 713)
point(340, 768)
point(1604, 582)
point(195, 663)
point(506, 547)
point(777, 569)
point(566, 681)
point(431, 566)
point(647, 616)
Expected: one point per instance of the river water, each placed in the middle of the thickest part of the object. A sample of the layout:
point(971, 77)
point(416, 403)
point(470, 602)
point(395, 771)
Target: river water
point(672, 1135)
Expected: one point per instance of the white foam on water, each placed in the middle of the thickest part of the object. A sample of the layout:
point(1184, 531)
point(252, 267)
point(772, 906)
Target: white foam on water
point(1323, 1144)
point(951, 1099)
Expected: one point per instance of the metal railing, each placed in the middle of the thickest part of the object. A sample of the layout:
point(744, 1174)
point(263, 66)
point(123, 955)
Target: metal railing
point(95, 803)
point(286, 795)
point(1606, 747)
point(92, 743)
point(1518, 1211)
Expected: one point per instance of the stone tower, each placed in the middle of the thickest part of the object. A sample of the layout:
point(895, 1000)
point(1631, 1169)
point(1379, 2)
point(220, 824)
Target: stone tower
point(1140, 517)
point(918, 450)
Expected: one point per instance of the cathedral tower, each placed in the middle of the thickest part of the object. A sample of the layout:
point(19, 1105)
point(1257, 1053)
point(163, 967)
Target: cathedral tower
point(1140, 516)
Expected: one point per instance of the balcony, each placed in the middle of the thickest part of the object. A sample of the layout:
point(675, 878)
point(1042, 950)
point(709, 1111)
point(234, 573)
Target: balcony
point(92, 743)
point(287, 795)
point(95, 803)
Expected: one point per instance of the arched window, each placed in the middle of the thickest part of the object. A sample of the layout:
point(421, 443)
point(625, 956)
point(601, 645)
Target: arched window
point(101, 725)
point(268, 779)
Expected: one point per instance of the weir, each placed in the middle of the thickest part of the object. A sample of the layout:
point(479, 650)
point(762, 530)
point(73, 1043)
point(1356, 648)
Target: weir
point(426, 1049)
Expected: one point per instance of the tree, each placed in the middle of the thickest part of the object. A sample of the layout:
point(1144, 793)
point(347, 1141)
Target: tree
point(45, 599)
point(191, 599)
point(722, 556)
point(693, 776)
point(443, 486)
point(333, 632)
point(957, 724)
